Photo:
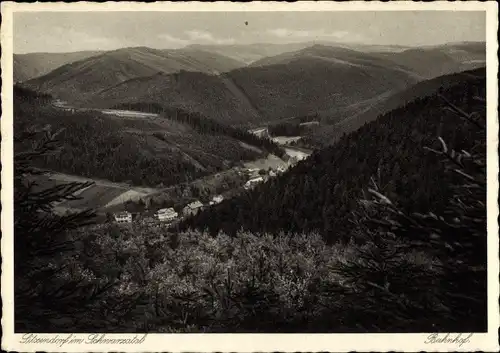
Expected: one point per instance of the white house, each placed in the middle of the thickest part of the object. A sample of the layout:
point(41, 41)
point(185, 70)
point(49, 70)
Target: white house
point(261, 132)
point(217, 199)
point(253, 182)
point(166, 214)
point(123, 217)
point(192, 208)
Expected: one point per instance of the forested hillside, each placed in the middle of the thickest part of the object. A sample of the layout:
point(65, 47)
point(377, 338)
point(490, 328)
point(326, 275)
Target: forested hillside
point(311, 83)
point(356, 115)
point(321, 192)
point(189, 91)
point(141, 151)
point(207, 125)
point(29, 66)
point(258, 94)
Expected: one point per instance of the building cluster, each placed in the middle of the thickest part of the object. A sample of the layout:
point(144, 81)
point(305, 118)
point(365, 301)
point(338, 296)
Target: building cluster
point(254, 177)
point(257, 176)
point(169, 215)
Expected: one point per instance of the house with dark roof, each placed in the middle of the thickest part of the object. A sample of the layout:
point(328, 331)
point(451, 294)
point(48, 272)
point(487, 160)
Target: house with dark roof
point(192, 208)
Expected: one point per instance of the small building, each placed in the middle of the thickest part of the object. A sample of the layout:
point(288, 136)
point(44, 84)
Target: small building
point(166, 214)
point(123, 217)
point(193, 208)
point(261, 132)
point(253, 182)
point(272, 173)
point(216, 200)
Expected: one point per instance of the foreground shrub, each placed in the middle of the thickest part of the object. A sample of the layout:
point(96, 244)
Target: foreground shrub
point(193, 282)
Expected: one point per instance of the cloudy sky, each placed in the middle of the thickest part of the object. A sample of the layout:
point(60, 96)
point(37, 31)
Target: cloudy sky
point(71, 31)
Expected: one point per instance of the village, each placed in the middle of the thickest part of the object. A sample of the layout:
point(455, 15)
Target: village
point(169, 216)
point(167, 210)
point(253, 174)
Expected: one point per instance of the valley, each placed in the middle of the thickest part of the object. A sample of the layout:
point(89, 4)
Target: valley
point(106, 196)
point(319, 184)
point(252, 95)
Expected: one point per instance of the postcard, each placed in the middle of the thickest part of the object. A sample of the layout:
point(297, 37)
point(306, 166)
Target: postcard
point(250, 177)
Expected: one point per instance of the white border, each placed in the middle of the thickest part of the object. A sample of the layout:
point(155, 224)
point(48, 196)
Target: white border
point(255, 342)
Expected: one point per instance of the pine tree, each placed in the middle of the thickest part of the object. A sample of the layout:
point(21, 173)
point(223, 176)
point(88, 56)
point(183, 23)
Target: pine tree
point(385, 288)
point(39, 233)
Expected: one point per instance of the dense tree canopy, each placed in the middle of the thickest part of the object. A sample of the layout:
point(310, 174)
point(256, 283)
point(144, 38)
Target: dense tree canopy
point(138, 151)
point(206, 125)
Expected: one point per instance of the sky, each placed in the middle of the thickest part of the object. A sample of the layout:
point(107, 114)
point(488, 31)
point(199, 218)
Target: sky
point(76, 31)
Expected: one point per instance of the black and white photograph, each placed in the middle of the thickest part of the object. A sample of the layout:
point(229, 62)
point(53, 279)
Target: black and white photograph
point(250, 172)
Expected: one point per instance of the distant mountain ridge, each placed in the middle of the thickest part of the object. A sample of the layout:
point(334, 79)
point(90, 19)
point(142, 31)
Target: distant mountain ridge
point(339, 54)
point(423, 62)
point(317, 79)
point(29, 66)
point(249, 53)
point(432, 61)
point(241, 96)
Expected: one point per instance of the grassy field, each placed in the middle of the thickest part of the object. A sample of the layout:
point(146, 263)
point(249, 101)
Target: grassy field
point(107, 196)
point(100, 196)
point(96, 196)
point(284, 140)
point(265, 163)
